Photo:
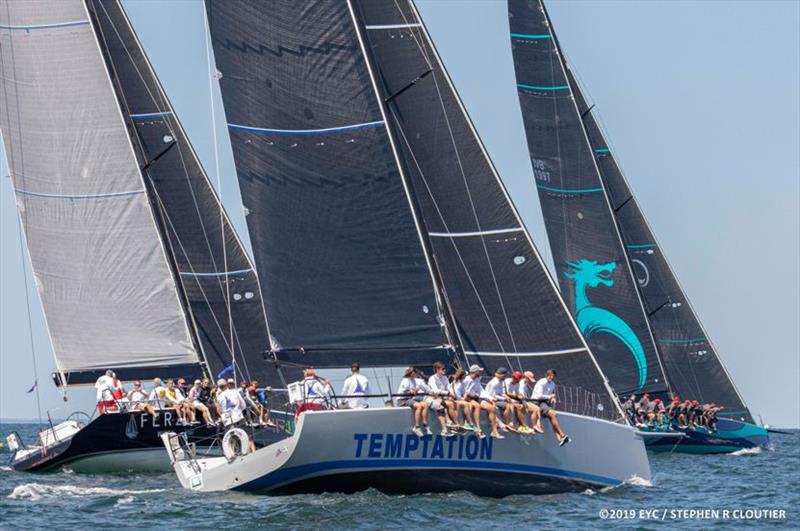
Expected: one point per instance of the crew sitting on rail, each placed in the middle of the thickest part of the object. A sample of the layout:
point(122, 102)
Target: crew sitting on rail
point(472, 393)
point(410, 397)
point(643, 411)
point(316, 394)
point(544, 394)
point(137, 399)
point(463, 407)
point(195, 398)
point(439, 398)
point(629, 408)
point(355, 387)
point(526, 390)
point(515, 400)
point(493, 398)
point(174, 399)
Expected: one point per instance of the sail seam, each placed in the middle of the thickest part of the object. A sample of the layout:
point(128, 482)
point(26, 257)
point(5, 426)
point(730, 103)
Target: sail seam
point(150, 115)
point(353, 127)
point(215, 273)
point(474, 233)
point(78, 196)
point(527, 354)
point(391, 26)
point(55, 25)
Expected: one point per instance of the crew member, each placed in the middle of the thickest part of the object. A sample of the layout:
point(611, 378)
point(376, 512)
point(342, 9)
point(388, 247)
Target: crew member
point(544, 394)
point(409, 391)
point(515, 400)
point(439, 397)
point(355, 387)
point(494, 398)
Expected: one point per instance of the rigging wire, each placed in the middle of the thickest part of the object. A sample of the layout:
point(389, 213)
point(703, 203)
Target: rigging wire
point(22, 219)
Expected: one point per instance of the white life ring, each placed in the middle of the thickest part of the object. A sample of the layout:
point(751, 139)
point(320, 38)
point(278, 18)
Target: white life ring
point(232, 449)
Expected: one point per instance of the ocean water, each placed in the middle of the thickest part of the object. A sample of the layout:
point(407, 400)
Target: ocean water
point(748, 482)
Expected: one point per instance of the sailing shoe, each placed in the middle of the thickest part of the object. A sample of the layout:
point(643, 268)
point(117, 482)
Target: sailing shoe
point(497, 435)
point(468, 426)
point(564, 440)
point(451, 424)
point(480, 434)
point(447, 433)
point(427, 430)
point(525, 430)
point(418, 431)
point(538, 429)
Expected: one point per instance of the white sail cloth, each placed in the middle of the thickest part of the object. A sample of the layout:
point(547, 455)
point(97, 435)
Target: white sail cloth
point(101, 270)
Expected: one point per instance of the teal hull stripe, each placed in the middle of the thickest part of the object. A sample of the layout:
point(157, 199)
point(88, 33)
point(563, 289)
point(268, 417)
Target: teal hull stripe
point(532, 37)
point(601, 150)
point(722, 413)
point(642, 246)
point(690, 340)
point(562, 191)
point(534, 87)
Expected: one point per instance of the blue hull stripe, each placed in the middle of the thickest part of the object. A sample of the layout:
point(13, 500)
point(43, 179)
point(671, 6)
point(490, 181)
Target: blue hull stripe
point(91, 196)
point(562, 191)
point(354, 127)
point(46, 26)
point(287, 475)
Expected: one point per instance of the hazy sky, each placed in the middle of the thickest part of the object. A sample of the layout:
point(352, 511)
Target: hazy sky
point(700, 101)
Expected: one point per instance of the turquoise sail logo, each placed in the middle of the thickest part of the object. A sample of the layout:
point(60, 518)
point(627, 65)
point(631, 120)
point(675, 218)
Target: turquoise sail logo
point(595, 320)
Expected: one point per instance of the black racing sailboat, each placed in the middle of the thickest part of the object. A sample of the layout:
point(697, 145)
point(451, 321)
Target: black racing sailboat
point(609, 264)
point(383, 235)
point(136, 263)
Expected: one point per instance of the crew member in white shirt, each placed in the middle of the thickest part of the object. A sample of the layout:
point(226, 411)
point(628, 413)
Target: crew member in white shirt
point(230, 406)
point(526, 390)
point(410, 397)
point(458, 395)
point(105, 389)
point(158, 395)
point(494, 397)
point(439, 397)
point(137, 398)
point(355, 387)
point(515, 398)
point(316, 392)
point(544, 394)
point(472, 393)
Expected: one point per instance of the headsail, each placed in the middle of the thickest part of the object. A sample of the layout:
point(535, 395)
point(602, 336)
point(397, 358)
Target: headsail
point(343, 271)
point(694, 369)
point(215, 273)
point(101, 269)
point(591, 263)
point(506, 308)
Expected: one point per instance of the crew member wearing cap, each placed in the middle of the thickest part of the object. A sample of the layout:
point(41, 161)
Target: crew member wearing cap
point(137, 398)
point(439, 397)
point(672, 412)
point(472, 393)
point(643, 410)
point(515, 400)
point(494, 397)
point(194, 398)
point(355, 387)
point(544, 393)
point(316, 394)
point(229, 403)
point(657, 411)
point(526, 390)
point(105, 389)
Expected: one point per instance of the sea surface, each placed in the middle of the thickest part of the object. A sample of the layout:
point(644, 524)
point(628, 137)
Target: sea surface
point(761, 480)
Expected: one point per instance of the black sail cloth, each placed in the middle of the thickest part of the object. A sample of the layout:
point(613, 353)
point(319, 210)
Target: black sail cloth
point(213, 268)
point(590, 260)
point(506, 309)
point(690, 360)
point(343, 272)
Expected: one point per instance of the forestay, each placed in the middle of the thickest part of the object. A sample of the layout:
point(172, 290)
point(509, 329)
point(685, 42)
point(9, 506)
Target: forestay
point(343, 271)
point(108, 293)
point(506, 309)
point(693, 367)
point(590, 261)
point(215, 273)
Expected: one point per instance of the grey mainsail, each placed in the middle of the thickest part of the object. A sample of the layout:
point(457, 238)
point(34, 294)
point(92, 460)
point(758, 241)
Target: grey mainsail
point(690, 360)
point(343, 271)
point(101, 268)
point(593, 269)
point(215, 273)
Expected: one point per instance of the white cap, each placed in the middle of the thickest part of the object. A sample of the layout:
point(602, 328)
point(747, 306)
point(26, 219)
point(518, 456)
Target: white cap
point(475, 368)
point(222, 381)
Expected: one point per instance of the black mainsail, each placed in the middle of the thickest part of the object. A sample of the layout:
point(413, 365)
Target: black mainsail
point(693, 367)
point(592, 265)
point(215, 274)
point(101, 267)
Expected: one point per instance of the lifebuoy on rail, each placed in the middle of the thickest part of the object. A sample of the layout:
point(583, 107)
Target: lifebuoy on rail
point(235, 443)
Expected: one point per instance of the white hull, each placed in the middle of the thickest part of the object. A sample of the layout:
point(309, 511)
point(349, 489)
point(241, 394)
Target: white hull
point(350, 450)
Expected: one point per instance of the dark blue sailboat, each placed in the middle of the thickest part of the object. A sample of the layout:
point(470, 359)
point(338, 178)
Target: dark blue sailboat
point(627, 301)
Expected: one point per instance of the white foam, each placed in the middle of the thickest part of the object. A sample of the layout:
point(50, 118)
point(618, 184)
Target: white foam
point(5, 469)
point(123, 501)
point(748, 451)
point(588, 492)
point(37, 491)
point(638, 482)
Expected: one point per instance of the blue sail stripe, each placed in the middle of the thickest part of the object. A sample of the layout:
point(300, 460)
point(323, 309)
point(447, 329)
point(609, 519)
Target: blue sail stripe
point(46, 26)
point(86, 196)
point(353, 127)
point(601, 150)
point(642, 246)
point(150, 115)
point(536, 87)
point(216, 274)
point(562, 191)
point(530, 36)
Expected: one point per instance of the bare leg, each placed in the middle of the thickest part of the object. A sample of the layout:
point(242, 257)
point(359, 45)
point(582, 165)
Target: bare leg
point(425, 412)
point(556, 426)
point(489, 407)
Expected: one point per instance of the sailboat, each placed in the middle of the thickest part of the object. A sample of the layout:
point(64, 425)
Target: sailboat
point(136, 264)
point(384, 236)
point(626, 298)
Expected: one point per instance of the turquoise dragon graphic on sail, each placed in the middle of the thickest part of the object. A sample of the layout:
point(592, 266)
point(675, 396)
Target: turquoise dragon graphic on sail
point(593, 319)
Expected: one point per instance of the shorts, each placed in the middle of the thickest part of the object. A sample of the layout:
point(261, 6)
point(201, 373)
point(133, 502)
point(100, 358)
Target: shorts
point(501, 404)
point(406, 402)
point(196, 403)
point(544, 406)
